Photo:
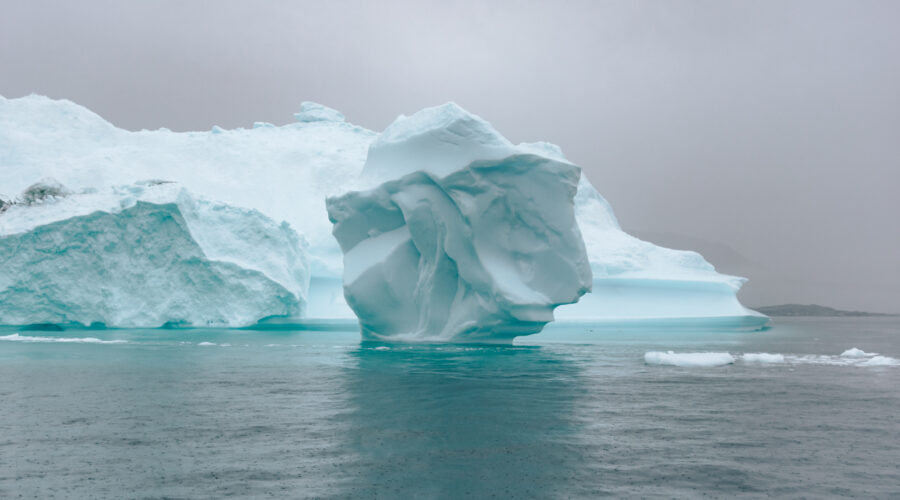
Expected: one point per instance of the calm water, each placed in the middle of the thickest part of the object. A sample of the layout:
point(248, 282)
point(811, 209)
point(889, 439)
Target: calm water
point(571, 413)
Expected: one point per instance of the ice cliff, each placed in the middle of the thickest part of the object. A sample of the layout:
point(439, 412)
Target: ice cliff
point(286, 172)
point(148, 254)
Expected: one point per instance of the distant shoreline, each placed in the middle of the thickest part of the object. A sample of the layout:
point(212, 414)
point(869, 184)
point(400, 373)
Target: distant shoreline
point(813, 310)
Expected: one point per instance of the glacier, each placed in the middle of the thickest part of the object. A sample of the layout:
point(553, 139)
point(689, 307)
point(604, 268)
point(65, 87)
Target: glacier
point(146, 254)
point(286, 172)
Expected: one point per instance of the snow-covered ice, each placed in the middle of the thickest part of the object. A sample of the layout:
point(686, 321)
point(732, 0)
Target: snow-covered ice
point(284, 172)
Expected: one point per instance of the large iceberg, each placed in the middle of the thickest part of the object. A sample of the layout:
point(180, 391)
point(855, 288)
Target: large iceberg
point(484, 253)
point(148, 254)
point(286, 172)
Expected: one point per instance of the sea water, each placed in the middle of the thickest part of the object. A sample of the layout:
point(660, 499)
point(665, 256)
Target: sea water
point(579, 411)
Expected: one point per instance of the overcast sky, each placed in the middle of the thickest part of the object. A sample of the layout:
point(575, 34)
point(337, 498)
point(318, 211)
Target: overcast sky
point(766, 134)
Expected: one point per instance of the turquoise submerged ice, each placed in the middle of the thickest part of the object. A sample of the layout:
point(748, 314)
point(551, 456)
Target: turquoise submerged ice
point(145, 255)
point(286, 172)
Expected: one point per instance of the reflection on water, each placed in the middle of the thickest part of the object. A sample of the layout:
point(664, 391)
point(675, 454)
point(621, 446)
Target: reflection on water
point(443, 422)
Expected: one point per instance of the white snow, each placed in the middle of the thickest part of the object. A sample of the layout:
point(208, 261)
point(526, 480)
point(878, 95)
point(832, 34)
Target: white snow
point(145, 255)
point(284, 172)
point(688, 359)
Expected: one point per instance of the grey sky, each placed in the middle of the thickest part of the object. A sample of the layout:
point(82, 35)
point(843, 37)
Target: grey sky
point(765, 134)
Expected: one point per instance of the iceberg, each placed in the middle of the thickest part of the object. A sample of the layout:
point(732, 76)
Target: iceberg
point(633, 280)
point(286, 172)
point(147, 254)
point(484, 253)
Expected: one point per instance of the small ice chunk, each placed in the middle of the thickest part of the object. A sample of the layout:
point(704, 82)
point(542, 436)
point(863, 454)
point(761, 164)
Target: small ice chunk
point(688, 359)
point(206, 343)
point(762, 357)
point(856, 353)
point(880, 361)
point(82, 340)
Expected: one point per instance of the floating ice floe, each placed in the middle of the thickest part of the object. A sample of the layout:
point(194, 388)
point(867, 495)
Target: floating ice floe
point(851, 357)
point(84, 340)
point(688, 359)
point(853, 352)
point(762, 357)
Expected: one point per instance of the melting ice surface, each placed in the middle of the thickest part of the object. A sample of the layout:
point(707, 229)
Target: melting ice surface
point(285, 173)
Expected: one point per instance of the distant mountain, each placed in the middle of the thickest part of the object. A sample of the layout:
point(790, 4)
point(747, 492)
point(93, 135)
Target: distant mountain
point(811, 310)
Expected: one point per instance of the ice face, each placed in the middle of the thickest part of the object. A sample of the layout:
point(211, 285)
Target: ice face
point(484, 253)
point(144, 256)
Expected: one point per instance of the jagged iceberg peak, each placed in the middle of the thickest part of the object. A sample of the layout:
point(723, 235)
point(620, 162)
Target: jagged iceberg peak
point(147, 254)
point(439, 140)
point(315, 112)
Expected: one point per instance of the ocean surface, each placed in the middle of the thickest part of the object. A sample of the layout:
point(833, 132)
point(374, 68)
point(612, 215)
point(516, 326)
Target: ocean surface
point(575, 412)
